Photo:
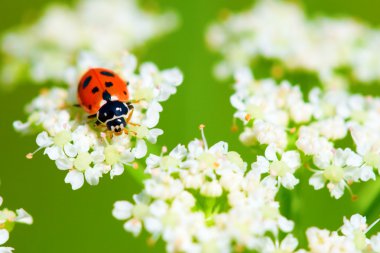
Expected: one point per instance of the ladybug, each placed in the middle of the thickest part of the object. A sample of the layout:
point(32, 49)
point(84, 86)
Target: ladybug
point(104, 95)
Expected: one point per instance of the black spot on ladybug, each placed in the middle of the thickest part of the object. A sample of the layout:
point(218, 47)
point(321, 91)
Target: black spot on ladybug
point(106, 73)
point(125, 93)
point(106, 96)
point(86, 81)
point(109, 84)
point(94, 90)
point(90, 107)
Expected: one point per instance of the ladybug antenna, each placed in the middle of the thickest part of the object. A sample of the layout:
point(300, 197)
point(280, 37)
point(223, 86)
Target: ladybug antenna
point(201, 127)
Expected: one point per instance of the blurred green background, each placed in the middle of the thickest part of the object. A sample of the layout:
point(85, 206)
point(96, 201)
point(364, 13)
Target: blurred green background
point(81, 221)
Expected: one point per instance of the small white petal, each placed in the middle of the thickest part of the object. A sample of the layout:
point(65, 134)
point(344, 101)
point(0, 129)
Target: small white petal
point(54, 152)
point(122, 210)
point(354, 160)
point(366, 173)
point(43, 139)
point(92, 175)
point(133, 226)
point(64, 164)
point(289, 181)
point(153, 134)
point(75, 178)
point(285, 224)
point(4, 236)
point(6, 250)
point(140, 149)
point(317, 181)
point(70, 150)
point(20, 126)
point(23, 217)
point(117, 170)
point(292, 159)
point(152, 225)
point(270, 153)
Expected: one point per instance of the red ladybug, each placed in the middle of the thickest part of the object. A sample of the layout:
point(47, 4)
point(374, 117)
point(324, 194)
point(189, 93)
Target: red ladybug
point(104, 95)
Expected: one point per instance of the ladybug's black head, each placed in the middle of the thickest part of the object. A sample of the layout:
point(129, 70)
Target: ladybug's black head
point(113, 114)
point(116, 125)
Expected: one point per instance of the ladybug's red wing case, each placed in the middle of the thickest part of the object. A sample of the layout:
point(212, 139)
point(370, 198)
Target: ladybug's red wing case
point(114, 85)
point(90, 92)
point(97, 82)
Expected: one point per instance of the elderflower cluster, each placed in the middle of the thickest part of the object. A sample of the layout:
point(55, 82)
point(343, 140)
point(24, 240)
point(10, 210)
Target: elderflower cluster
point(200, 199)
point(44, 50)
point(68, 137)
point(279, 31)
point(333, 134)
point(351, 237)
point(8, 219)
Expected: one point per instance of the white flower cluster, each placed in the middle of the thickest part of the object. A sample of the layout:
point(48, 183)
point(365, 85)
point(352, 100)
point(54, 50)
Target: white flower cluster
point(69, 139)
point(201, 199)
point(350, 238)
point(43, 50)
point(8, 219)
point(280, 31)
point(333, 134)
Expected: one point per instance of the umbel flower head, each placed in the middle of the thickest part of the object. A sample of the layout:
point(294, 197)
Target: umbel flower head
point(333, 134)
point(43, 50)
point(8, 219)
point(322, 45)
point(350, 238)
point(203, 199)
point(70, 139)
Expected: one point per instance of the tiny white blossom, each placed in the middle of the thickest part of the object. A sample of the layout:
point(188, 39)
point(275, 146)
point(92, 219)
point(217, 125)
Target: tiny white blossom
point(282, 170)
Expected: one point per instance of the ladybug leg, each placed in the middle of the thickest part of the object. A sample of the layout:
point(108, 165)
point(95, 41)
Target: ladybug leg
point(91, 116)
point(134, 124)
point(109, 134)
point(129, 116)
point(126, 131)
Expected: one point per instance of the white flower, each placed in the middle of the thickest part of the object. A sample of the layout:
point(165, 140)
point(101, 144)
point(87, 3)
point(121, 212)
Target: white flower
point(351, 238)
point(44, 50)
point(355, 229)
point(8, 219)
point(288, 244)
point(69, 139)
point(335, 168)
point(200, 199)
point(282, 170)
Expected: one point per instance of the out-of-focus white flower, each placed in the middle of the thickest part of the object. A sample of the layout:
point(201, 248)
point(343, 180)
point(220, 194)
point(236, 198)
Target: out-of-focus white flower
point(288, 245)
point(330, 119)
point(321, 45)
point(46, 49)
point(201, 199)
point(350, 238)
point(8, 219)
point(69, 139)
